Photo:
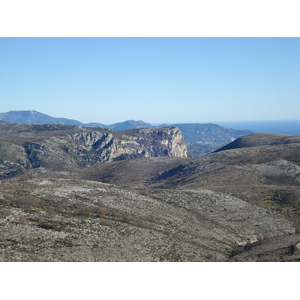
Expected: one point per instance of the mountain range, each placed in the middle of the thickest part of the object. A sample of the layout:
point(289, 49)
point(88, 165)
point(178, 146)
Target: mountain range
point(200, 138)
point(75, 193)
point(35, 117)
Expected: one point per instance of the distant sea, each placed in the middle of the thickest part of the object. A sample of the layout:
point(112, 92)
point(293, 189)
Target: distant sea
point(277, 127)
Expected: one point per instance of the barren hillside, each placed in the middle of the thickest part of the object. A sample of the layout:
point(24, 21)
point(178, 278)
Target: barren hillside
point(239, 204)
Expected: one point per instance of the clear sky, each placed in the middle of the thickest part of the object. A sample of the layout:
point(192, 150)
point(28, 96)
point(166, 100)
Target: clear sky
point(157, 80)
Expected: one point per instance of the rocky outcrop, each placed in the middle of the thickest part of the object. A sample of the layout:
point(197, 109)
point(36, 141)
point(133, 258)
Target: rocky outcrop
point(66, 147)
point(203, 139)
point(238, 204)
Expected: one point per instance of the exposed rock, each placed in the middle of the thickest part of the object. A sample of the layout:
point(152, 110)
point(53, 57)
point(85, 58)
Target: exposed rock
point(285, 248)
point(200, 138)
point(220, 207)
point(205, 138)
point(66, 147)
point(50, 219)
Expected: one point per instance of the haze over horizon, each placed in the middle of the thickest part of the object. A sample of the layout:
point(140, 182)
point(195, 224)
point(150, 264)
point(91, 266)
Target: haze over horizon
point(157, 80)
point(222, 123)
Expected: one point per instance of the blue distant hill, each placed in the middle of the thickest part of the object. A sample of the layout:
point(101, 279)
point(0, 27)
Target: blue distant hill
point(34, 117)
point(200, 138)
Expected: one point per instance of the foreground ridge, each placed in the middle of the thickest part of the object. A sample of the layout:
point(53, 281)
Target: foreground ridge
point(74, 220)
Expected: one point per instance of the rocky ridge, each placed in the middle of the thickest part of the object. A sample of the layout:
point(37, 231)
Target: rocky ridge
point(66, 147)
point(200, 138)
point(240, 204)
point(261, 139)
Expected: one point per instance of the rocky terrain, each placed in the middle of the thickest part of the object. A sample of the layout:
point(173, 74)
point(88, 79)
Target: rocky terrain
point(200, 138)
point(67, 147)
point(80, 202)
point(57, 219)
point(205, 138)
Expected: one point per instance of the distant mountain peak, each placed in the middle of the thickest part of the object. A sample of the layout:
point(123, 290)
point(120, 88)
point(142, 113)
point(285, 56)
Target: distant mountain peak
point(34, 117)
point(200, 138)
point(129, 124)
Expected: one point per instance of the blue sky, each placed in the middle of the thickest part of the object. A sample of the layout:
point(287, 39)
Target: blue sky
point(158, 80)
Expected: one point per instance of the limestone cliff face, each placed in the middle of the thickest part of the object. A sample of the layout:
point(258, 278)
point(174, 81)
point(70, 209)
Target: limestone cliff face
point(112, 146)
point(66, 147)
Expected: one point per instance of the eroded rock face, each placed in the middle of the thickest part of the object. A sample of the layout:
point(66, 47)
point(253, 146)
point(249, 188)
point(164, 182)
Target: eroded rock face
point(65, 147)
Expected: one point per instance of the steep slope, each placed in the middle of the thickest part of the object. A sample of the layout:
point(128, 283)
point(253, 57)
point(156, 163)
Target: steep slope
point(201, 138)
point(139, 172)
point(210, 132)
point(252, 150)
point(267, 175)
point(205, 138)
point(68, 147)
point(240, 204)
point(261, 139)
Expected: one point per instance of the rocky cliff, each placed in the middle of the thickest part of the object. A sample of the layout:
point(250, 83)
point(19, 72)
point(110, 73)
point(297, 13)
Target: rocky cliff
point(203, 139)
point(241, 204)
point(64, 147)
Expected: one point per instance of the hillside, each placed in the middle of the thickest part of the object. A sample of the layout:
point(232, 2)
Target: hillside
point(34, 117)
point(205, 138)
point(76, 193)
point(255, 149)
point(273, 166)
point(57, 219)
point(67, 147)
point(73, 193)
point(200, 138)
point(130, 124)
point(262, 139)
